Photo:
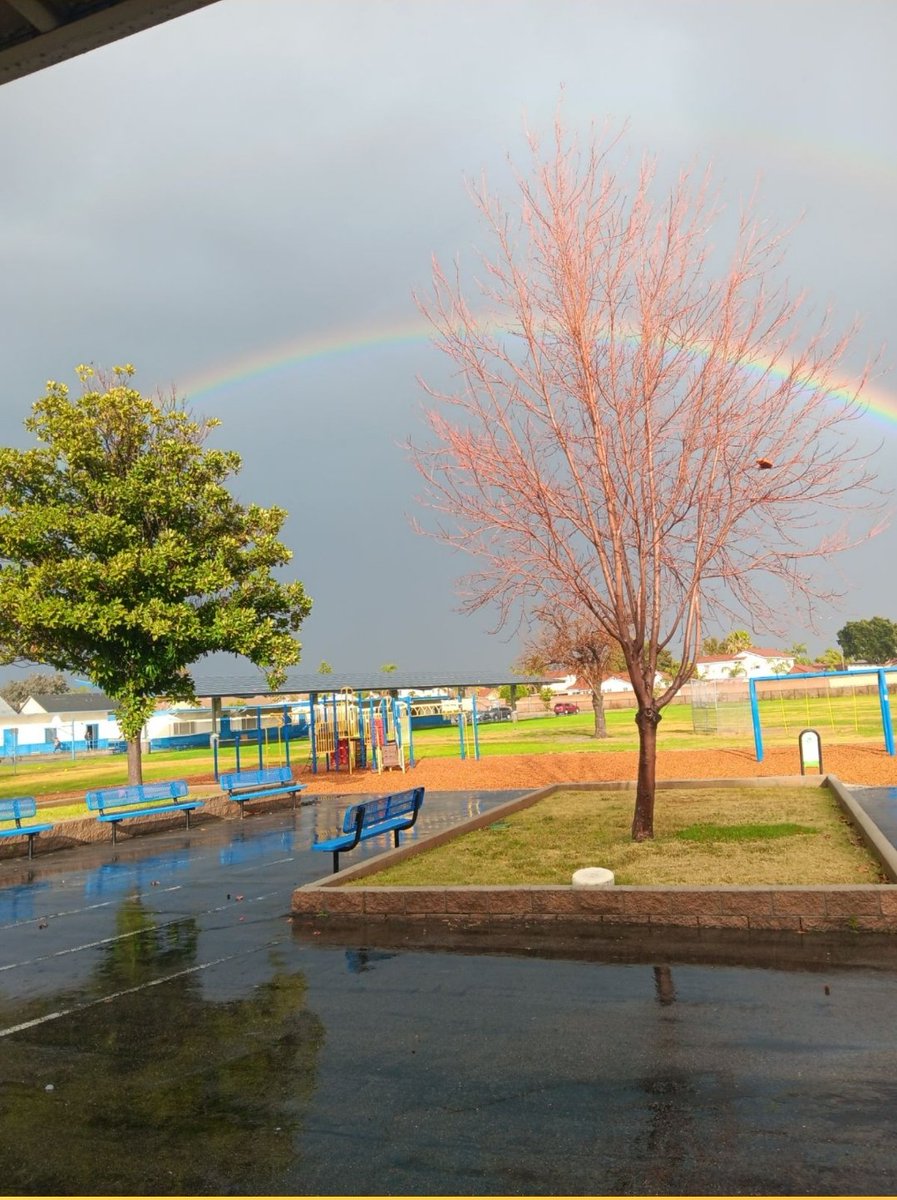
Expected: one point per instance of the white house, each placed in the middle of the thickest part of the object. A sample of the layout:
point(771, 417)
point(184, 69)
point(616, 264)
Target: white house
point(744, 665)
point(616, 683)
point(84, 720)
point(561, 682)
point(76, 721)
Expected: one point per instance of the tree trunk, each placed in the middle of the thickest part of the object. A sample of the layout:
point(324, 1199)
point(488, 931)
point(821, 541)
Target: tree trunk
point(135, 761)
point(598, 708)
point(647, 719)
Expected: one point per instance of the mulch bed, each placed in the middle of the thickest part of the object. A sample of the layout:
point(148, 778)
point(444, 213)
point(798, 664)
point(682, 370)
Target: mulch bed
point(852, 764)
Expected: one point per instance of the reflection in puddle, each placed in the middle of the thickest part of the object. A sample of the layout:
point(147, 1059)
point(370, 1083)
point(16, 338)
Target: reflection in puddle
point(153, 1089)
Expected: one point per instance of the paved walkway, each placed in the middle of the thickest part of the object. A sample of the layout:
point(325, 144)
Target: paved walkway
point(881, 805)
point(167, 1033)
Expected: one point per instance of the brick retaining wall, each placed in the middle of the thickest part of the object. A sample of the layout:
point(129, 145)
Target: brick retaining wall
point(867, 907)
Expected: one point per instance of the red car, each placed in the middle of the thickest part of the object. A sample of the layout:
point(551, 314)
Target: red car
point(564, 708)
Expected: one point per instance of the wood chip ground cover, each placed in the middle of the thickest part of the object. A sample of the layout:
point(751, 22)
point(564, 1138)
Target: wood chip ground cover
point(572, 829)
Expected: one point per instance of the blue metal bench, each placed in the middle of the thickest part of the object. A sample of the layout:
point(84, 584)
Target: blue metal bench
point(370, 818)
point(140, 800)
point(245, 786)
point(15, 810)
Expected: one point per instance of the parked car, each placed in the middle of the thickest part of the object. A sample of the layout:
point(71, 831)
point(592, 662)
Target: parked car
point(564, 708)
point(500, 713)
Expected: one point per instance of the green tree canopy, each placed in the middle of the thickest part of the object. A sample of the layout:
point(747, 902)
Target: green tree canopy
point(833, 659)
point(870, 641)
point(734, 641)
point(124, 558)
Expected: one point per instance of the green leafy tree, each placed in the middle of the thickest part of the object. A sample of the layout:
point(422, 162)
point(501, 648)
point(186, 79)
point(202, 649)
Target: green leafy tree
point(666, 664)
point(388, 668)
point(324, 668)
point(737, 640)
point(712, 645)
point(38, 683)
point(870, 641)
point(124, 558)
point(833, 660)
point(734, 641)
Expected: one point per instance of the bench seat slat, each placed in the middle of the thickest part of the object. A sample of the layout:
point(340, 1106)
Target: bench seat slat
point(13, 810)
point(279, 791)
point(117, 804)
point(19, 829)
point(123, 815)
point(245, 786)
point(371, 818)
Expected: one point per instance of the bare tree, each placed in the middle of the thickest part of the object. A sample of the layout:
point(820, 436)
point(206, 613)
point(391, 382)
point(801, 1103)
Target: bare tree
point(630, 434)
point(576, 644)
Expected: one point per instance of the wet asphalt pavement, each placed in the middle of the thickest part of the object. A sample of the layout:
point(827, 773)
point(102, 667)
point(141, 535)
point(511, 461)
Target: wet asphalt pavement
point(164, 1030)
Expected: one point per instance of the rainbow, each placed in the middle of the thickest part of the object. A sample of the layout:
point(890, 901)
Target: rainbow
point(296, 353)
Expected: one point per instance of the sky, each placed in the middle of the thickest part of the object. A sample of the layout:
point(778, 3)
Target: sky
point(242, 202)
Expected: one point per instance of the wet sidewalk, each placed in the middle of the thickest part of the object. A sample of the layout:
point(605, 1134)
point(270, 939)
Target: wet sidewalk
point(164, 1031)
point(880, 803)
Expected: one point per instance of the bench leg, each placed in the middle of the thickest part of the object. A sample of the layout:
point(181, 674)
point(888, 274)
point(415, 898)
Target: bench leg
point(114, 829)
point(187, 815)
point(242, 810)
point(395, 835)
point(31, 845)
point(335, 861)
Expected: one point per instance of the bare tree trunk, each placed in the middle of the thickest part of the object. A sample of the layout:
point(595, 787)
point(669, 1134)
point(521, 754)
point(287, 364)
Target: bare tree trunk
point(135, 761)
point(600, 719)
point(647, 719)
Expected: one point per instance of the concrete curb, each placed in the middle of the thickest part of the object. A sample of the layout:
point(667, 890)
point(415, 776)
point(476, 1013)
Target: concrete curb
point(873, 837)
point(866, 907)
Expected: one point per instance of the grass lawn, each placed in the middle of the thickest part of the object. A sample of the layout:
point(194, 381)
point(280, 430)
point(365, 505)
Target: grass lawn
point(703, 836)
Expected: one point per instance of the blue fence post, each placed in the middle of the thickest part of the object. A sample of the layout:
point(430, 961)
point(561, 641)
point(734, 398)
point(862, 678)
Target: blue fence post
point(461, 721)
point(258, 730)
point(237, 747)
point(312, 701)
point(362, 732)
point(885, 703)
point(755, 720)
point(285, 733)
point(410, 735)
point(476, 727)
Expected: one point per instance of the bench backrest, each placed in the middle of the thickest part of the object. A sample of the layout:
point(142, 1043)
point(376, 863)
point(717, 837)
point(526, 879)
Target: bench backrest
point(384, 808)
point(242, 779)
point(21, 806)
point(135, 793)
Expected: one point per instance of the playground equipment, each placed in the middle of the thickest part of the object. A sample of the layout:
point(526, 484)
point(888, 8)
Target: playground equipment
point(463, 712)
point(268, 729)
point(355, 733)
point(851, 704)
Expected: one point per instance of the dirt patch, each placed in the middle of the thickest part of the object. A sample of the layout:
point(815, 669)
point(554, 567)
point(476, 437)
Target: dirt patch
point(860, 764)
point(852, 764)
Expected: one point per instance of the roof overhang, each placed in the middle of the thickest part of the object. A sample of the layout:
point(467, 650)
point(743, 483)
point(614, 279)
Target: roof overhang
point(40, 33)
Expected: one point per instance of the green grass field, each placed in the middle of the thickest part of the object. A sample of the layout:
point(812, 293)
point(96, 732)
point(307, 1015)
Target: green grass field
point(839, 719)
point(748, 836)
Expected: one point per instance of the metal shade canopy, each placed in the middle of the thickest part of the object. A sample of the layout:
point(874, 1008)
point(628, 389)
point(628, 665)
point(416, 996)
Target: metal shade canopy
point(250, 681)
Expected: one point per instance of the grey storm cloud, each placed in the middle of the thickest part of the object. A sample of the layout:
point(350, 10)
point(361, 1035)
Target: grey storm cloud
point(200, 197)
